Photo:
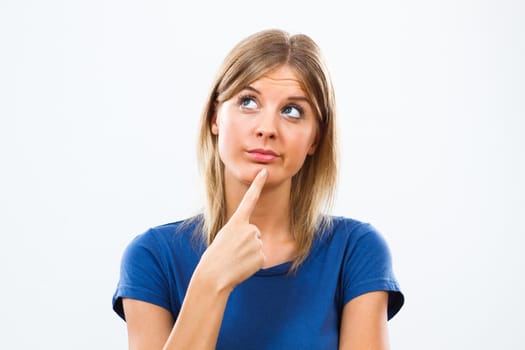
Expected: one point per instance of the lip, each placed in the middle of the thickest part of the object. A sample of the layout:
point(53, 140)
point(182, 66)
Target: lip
point(262, 155)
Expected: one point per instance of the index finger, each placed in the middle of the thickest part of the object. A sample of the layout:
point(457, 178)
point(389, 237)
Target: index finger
point(248, 202)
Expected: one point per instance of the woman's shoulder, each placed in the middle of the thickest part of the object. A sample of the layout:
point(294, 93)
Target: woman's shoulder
point(344, 227)
point(366, 260)
point(351, 234)
point(179, 227)
point(165, 235)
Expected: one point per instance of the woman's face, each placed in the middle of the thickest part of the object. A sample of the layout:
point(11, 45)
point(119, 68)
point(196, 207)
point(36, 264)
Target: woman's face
point(269, 124)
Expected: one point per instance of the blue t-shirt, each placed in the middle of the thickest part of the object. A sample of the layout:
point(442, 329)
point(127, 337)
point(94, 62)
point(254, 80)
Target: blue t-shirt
point(273, 309)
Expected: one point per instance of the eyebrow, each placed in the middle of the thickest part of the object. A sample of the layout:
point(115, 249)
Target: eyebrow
point(293, 98)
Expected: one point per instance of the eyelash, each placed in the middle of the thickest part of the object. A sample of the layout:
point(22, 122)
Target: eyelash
point(299, 109)
point(243, 98)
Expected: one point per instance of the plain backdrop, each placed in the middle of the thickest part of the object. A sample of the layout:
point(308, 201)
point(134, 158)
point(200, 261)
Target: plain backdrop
point(99, 103)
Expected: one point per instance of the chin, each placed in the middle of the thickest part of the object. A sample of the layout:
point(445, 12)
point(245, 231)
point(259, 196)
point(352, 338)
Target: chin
point(247, 175)
point(247, 172)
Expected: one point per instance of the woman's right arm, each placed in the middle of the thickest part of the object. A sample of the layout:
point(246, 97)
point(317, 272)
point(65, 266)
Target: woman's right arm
point(197, 325)
point(234, 255)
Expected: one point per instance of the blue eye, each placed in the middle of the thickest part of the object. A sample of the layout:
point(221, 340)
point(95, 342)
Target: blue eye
point(294, 112)
point(248, 102)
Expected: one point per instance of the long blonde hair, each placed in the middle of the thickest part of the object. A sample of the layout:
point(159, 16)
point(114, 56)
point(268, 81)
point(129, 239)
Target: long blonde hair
point(313, 187)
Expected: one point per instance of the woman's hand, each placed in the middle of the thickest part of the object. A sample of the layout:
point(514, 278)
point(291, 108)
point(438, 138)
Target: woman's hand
point(236, 252)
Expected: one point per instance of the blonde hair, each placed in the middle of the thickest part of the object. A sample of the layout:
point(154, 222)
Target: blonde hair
point(313, 187)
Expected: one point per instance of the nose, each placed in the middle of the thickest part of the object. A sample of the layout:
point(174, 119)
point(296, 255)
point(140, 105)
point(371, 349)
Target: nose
point(266, 128)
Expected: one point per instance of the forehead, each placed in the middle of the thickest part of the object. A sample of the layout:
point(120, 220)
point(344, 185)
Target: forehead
point(282, 77)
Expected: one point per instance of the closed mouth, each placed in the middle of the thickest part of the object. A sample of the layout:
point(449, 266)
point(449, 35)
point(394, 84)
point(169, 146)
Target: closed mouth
point(264, 151)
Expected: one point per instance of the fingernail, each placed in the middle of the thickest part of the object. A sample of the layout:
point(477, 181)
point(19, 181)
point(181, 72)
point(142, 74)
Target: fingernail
point(263, 172)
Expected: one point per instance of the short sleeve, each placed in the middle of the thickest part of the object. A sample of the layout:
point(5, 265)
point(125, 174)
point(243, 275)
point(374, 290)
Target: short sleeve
point(142, 275)
point(368, 268)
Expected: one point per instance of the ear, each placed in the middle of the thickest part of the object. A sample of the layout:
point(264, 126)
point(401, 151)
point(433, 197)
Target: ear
point(314, 144)
point(214, 126)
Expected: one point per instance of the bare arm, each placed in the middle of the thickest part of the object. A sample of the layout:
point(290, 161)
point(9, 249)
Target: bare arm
point(148, 325)
point(235, 254)
point(364, 323)
point(197, 325)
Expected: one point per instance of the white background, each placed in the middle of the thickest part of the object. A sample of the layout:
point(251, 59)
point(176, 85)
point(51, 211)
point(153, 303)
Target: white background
point(99, 102)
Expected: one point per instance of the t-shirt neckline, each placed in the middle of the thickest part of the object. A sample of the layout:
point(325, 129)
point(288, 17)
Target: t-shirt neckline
point(279, 269)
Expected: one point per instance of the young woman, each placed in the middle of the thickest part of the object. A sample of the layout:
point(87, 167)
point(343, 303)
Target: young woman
point(262, 267)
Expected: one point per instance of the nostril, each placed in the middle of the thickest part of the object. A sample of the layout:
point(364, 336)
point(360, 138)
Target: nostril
point(261, 133)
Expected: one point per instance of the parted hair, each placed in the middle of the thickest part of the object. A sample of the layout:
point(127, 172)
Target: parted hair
point(313, 187)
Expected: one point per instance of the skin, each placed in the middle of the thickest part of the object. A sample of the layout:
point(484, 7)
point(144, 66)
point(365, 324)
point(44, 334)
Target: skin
point(271, 113)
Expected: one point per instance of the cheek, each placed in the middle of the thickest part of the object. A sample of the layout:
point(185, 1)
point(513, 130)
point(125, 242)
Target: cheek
point(305, 141)
point(298, 153)
point(228, 140)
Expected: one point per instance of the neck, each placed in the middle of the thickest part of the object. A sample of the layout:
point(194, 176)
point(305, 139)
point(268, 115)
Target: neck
point(272, 213)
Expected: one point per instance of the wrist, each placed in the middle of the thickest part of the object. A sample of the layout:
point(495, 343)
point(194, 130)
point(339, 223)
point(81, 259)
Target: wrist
point(211, 279)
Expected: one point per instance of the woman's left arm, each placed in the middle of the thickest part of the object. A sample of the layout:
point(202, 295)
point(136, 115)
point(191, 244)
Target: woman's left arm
point(364, 323)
